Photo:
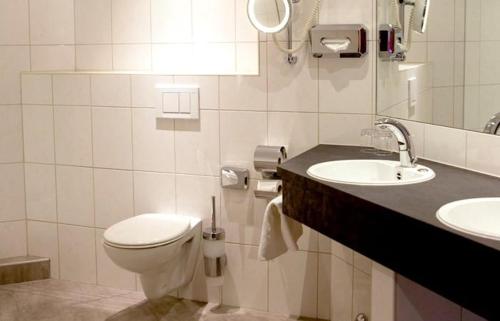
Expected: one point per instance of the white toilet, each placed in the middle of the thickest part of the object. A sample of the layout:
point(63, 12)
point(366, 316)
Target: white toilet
point(162, 248)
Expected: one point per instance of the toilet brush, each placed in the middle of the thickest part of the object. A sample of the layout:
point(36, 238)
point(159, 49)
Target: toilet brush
point(214, 252)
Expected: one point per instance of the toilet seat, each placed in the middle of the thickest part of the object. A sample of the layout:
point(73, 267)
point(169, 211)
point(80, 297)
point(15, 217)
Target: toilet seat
point(147, 231)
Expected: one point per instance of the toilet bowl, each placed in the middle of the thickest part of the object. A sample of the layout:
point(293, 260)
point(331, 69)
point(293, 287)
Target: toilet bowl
point(162, 248)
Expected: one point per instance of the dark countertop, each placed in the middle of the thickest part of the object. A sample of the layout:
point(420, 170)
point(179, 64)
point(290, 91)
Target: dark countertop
point(397, 225)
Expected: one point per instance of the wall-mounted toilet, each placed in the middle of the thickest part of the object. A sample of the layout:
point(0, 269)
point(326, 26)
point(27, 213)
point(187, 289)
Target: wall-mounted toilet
point(162, 248)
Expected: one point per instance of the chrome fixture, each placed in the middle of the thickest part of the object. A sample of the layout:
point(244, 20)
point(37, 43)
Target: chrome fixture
point(361, 317)
point(345, 41)
point(213, 247)
point(406, 150)
point(266, 161)
point(234, 177)
point(493, 125)
point(395, 37)
point(260, 13)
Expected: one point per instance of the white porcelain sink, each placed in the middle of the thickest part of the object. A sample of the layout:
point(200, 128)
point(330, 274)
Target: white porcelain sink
point(477, 216)
point(370, 172)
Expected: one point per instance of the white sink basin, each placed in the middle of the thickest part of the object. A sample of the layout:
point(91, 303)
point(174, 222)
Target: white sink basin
point(478, 216)
point(370, 172)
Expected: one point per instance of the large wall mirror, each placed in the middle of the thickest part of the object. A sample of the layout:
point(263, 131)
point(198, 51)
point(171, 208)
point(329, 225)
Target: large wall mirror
point(450, 74)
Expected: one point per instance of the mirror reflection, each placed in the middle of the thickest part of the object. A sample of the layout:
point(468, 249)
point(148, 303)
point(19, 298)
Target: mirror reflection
point(269, 16)
point(450, 75)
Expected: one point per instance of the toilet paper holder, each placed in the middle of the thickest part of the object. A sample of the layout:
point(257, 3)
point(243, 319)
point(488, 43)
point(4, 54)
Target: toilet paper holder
point(266, 161)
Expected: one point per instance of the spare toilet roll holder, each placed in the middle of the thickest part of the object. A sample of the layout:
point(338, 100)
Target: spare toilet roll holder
point(266, 161)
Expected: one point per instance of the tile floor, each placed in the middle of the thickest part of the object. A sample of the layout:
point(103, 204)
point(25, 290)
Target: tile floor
point(57, 300)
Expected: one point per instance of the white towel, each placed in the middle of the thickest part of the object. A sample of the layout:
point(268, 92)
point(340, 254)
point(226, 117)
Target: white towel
point(279, 232)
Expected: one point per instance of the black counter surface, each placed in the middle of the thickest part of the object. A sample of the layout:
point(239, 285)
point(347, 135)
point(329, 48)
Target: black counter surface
point(397, 227)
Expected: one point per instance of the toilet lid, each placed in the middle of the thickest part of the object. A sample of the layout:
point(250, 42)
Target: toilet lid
point(147, 230)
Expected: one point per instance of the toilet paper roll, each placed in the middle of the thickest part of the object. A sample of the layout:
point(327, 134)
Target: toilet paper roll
point(268, 189)
point(268, 158)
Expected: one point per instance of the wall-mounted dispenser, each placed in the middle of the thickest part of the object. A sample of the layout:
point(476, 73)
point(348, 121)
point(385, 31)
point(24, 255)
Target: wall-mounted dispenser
point(266, 161)
point(343, 41)
point(395, 36)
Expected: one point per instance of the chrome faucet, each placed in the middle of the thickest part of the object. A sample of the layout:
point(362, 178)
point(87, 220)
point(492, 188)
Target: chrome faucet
point(406, 151)
point(493, 125)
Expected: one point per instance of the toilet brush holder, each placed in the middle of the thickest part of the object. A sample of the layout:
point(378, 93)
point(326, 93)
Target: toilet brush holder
point(214, 252)
point(214, 249)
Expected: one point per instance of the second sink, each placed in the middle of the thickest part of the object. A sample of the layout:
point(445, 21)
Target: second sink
point(370, 172)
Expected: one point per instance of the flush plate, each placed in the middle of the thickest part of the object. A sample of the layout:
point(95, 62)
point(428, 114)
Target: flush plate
point(178, 101)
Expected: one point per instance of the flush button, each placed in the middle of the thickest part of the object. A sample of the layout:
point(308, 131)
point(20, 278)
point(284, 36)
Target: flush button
point(185, 103)
point(170, 102)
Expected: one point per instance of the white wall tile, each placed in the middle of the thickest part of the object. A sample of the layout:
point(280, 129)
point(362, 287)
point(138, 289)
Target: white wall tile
point(292, 88)
point(478, 146)
point(42, 241)
point(112, 137)
point(357, 11)
point(197, 144)
point(37, 89)
point(246, 279)
point(71, 89)
point(12, 203)
point(38, 125)
point(94, 57)
point(346, 87)
point(13, 59)
point(92, 21)
point(132, 57)
point(60, 57)
point(209, 89)
point(244, 29)
point(343, 129)
point(241, 133)
point(361, 294)
point(108, 273)
point(11, 134)
point(77, 254)
point(153, 142)
point(110, 90)
point(242, 214)
point(194, 196)
point(41, 192)
point(441, 23)
point(52, 22)
point(442, 66)
point(445, 145)
point(73, 135)
point(169, 27)
point(341, 290)
point(131, 21)
point(14, 22)
point(246, 93)
point(114, 196)
point(154, 193)
point(293, 284)
point(12, 239)
point(324, 286)
point(144, 93)
point(297, 131)
point(75, 197)
point(219, 25)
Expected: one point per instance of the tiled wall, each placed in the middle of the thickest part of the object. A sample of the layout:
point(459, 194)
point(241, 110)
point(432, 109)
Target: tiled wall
point(441, 50)
point(482, 74)
point(211, 37)
point(94, 154)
